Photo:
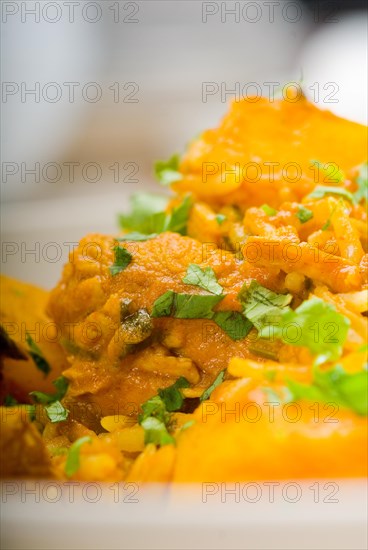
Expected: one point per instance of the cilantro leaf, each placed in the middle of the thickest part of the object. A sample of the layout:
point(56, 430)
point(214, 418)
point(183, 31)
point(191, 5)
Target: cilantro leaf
point(136, 236)
point(234, 323)
point(149, 216)
point(321, 191)
point(163, 305)
point(10, 401)
point(304, 214)
point(314, 324)
point(218, 380)
point(73, 459)
point(259, 303)
point(185, 306)
point(199, 306)
point(172, 396)
point(167, 172)
point(220, 218)
point(154, 407)
point(268, 210)
point(122, 259)
point(335, 386)
point(155, 418)
point(177, 220)
point(362, 181)
point(37, 355)
point(204, 278)
point(144, 207)
point(56, 412)
point(156, 432)
point(61, 384)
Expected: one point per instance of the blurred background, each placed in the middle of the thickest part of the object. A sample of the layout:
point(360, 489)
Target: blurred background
point(94, 92)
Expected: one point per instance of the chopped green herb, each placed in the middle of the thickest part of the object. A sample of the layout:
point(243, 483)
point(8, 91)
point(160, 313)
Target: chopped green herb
point(314, 324)
point(268, 210)
point(327, 223)
point(167, 172)
point(156, 432)
point(73, 458)
point(218, 380)
point(149, 216)
point(362, 181)
point(122, 259)
point(154, 407)
point(220, 218)
point(304, 214)
point(259, 303)
point(337, 174)
point(185, 306)
point(136, 236)
point(177, 220)
point(204, 278)
point(61, 384)
point(187, 425)
point(234, 323)
point(172, 396)
point(322, 190)
point(144, 208)
point(199, 306)
point(10, 401)
point(270, 375)
point(156, 417)
point(37, 355)
point(335, 386)
point(163, 306)
point(56, 412)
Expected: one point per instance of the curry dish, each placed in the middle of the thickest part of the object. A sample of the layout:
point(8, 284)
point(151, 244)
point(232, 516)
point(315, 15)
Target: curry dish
point(221, 335)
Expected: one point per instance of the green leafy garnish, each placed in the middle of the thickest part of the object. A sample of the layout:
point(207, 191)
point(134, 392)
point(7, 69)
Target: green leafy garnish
point(218, 380)
point(61, 384)
point(220, 218)
point(37, 355)
point(268, 210)
point(155, 431)
point(335, 386)
point(10, 401)
point(167, 172)
point(260, 303)
point(314, 324)
point(156, 418)
point(122, 259)
point(362, 181)
point(185, 306)
point(172, 396)
point(327, 223)
point(234, 323)
point(136, 236)
point(73, 459)
point(304, 214)
point(149, 216)
point(199, 306)
point(338, 174)
point(177, 219)
point(144, 210)
point(51, 401)
point(56, 412)
point(204, 278)
point(321, 191)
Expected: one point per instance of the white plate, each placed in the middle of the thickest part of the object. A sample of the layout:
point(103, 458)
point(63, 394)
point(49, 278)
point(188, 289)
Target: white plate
point(322, 514)
point(300, 515)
